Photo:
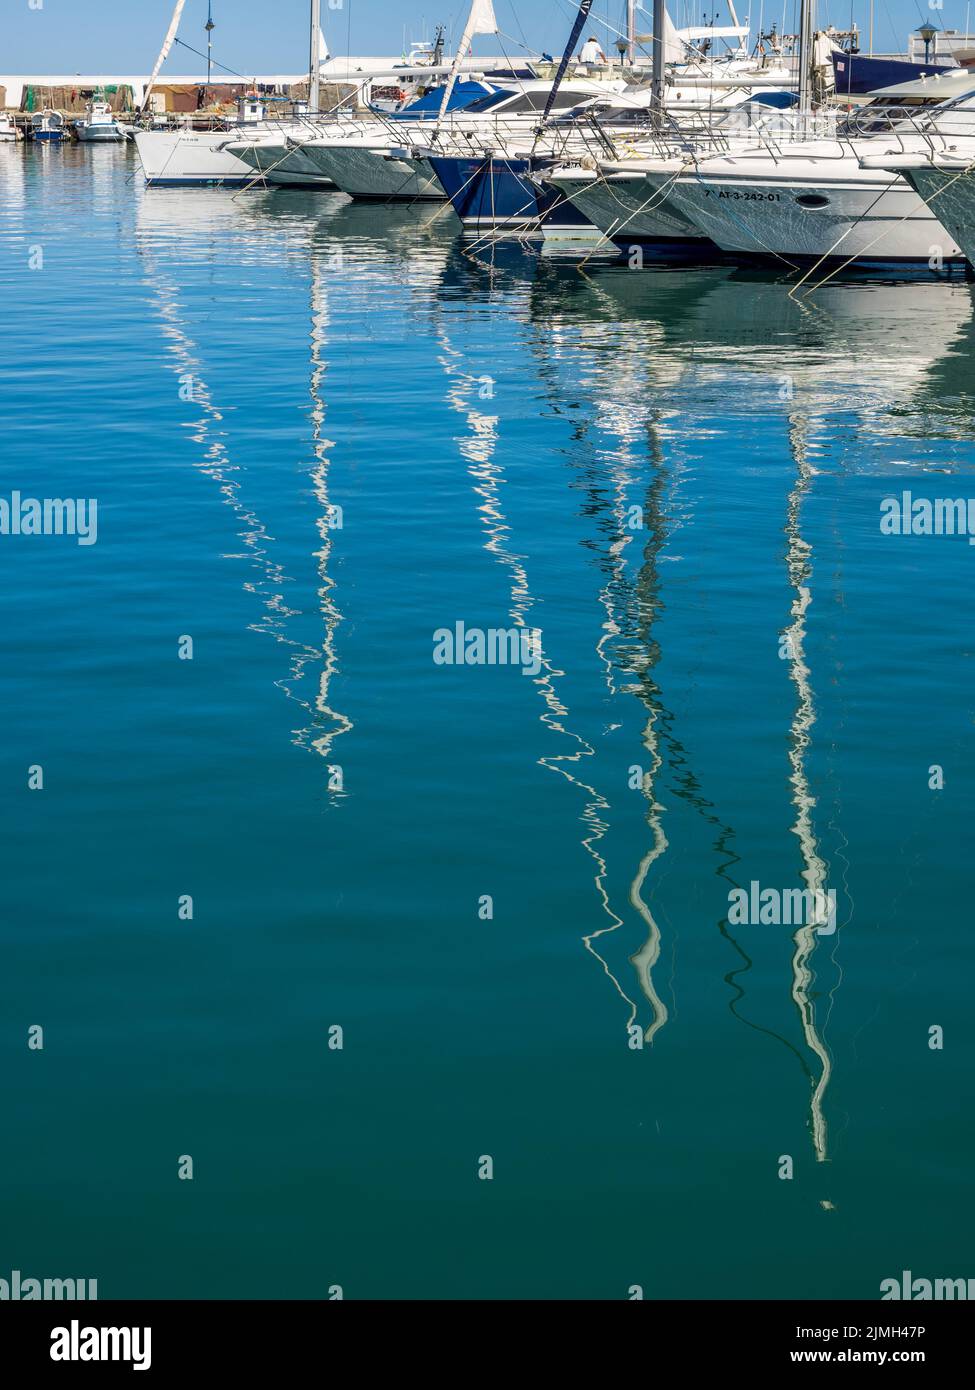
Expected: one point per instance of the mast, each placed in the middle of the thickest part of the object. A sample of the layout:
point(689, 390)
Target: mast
point(209, 27)
point(659, 58)
point(631, 32)
point(314, 66)
point(806, 21)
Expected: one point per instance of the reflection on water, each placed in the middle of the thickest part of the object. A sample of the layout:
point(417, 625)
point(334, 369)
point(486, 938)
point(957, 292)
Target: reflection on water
point(162, 228)
point(663, 473)
point(814, 871)
point(662, 358)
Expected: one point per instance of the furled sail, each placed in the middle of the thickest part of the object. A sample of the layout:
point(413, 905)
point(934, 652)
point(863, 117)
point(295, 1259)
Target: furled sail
point(481, 20)
point(165, 50)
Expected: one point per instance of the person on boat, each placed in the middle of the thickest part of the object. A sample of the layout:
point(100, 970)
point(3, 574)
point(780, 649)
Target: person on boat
point(591, 52)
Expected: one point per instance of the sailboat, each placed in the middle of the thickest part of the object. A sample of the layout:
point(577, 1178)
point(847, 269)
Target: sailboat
point(189, 158)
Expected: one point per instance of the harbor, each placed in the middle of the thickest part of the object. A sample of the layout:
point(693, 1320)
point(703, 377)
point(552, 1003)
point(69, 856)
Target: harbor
point(488, 727)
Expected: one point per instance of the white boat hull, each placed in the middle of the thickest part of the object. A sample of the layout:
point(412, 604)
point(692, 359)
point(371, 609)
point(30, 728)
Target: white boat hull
point(368, 172)
point(802, 217)
point(618, 207)
point(190, 159)
point(953, 195)
point(278, 163)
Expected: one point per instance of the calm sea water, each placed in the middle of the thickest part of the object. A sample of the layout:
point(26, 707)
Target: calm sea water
point(676, 477)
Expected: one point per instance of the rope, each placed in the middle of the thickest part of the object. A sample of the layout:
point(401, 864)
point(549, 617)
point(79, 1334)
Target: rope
point(907, 216)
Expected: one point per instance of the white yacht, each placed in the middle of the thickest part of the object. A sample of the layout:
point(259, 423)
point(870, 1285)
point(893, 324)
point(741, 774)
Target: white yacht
point(797, 201)
point(184, 157)
point(614, 196)
point(945, 180)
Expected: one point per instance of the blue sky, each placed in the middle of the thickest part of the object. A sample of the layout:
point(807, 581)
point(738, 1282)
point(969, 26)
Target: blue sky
point(106, 36)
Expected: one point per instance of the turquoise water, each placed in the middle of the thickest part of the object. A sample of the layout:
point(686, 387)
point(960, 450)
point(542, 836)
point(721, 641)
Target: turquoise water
point(675, 476)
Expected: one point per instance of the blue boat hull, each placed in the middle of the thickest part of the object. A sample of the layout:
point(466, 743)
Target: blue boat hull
point(46, 137)
point(501, 195)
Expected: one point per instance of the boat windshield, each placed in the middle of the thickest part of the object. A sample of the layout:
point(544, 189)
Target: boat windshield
point(486, 103)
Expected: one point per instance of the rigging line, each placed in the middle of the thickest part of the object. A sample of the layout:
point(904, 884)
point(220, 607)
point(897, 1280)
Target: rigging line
point(233, 71)
point(658, 193)
point(521, 27)
point(499, 36)
point(826, 254)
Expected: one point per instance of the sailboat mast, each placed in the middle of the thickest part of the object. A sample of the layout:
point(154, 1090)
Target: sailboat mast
point(659, 58)
point(631, 32)
point(315, 59)
point(806, 22)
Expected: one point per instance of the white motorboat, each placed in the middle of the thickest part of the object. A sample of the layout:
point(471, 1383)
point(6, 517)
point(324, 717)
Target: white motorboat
point(616, 200)
point(945, 180)
point(99, 124)
point(8, 131)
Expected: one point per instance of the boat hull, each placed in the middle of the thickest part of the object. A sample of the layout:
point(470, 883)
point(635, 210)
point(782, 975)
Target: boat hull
point(99, 135)
point(372, 172)
point(277, 163)
point(868, 221)
point(626, 216)
point(953, 192)
point(189, 159)
point(507, 196)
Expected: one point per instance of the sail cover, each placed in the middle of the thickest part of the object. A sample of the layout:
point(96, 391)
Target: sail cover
point(165, 50)
point(481, 20)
